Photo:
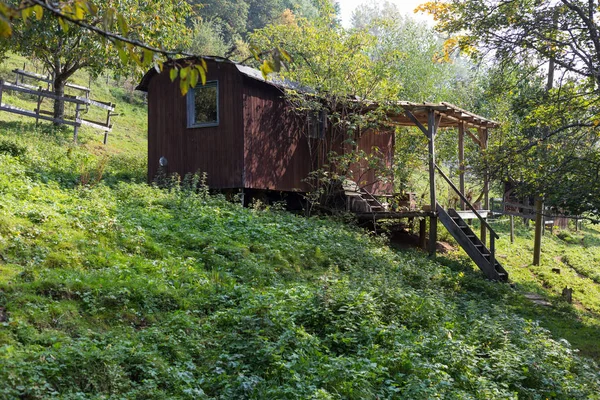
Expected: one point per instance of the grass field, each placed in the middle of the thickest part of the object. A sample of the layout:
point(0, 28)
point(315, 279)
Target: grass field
point(114, 289)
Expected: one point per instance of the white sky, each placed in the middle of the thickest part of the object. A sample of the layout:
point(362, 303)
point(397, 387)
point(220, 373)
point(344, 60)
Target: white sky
point(405, 6)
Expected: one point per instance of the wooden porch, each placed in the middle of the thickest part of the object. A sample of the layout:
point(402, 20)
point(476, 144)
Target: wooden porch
point(430, 118)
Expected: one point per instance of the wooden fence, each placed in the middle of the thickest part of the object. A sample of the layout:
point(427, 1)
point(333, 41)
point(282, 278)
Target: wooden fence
point(44, 115)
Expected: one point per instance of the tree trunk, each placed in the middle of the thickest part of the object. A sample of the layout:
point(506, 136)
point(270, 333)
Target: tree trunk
point(59, 105)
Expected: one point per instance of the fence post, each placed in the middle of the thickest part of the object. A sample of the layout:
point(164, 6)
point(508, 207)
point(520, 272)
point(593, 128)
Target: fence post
point(512, 229)
point(39, 105)
point(76, 128)
point(1, 87)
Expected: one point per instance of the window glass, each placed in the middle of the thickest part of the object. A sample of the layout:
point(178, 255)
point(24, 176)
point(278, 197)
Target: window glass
point(203, 105)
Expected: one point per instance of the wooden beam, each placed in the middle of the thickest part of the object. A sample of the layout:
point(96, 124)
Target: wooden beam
point(483, 137)
point(472, 136)
point(431, 132)
point(44, 93)
point(27, 113)
point(461, 161)
point(414, 119)
point(423, 233)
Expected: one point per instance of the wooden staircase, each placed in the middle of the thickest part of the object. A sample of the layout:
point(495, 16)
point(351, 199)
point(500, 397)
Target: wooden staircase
point(471, 244)
point(361, 200)
point(373, 204)
point(482, 256)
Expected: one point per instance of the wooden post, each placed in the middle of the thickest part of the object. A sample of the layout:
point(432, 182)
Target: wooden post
point(1, 87)
point(76, 127)
point(461, 162)
point(483, 139)
point(539, 222)
point(39, 105)
point(431, 131)
point(108, 115)
point(512, 229)
point(423, 234)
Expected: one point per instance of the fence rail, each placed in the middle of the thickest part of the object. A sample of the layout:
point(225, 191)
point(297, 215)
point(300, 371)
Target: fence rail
point(40, 114)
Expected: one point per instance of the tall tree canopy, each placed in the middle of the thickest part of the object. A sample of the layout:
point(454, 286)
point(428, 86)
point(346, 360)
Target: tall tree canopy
point(547, 87)
point(66, 48)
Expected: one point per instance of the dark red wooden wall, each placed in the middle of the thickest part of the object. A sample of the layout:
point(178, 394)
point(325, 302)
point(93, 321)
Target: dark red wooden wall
point(258, 144)
point(218, 150)
point(276, 151)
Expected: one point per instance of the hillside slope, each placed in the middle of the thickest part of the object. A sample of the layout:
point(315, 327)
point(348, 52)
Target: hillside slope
point(110, 288)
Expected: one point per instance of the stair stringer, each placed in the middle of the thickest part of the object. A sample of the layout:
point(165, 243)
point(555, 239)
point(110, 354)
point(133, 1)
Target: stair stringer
point(469, 246)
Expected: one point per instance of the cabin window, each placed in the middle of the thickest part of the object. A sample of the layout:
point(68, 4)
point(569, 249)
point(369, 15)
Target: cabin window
point(203, 105)
point(317, 124)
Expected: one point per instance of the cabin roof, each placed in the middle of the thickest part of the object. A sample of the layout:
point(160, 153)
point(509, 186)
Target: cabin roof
point(448, 115)
point(245, 70)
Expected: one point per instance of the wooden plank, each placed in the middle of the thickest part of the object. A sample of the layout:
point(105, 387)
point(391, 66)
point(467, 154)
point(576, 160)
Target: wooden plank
point(78, 87)
point(33, 75)
point(44, 93)
point(472, 215)
point(94, 124)
point(47, 79)
point(101, 104)
point(27, 113)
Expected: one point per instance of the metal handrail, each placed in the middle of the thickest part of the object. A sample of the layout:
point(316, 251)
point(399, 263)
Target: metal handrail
point(483, 221)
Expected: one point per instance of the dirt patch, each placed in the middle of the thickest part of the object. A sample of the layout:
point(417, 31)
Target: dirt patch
point(444, 247)
point(404, 239)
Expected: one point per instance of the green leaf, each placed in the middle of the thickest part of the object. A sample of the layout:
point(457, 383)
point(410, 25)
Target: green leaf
point(286, 56)
point(26, 13)
point(173, 73)
point(122, 23)
point(183, 73)
point(193, 77)
point(202, 72)
point(64, 25)
point(39, 12)
point(184, 85)
point(5, 28)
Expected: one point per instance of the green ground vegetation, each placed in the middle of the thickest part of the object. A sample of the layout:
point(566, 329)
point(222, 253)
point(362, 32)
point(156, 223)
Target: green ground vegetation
point(569, 259)
point(111, 288)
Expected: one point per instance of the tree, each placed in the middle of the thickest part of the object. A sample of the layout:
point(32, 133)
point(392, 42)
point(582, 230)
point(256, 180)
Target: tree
point(66, 48)
point(334, 75)
point(548, 54)
point(230, 15)
point(207, 39)
point(564, 31)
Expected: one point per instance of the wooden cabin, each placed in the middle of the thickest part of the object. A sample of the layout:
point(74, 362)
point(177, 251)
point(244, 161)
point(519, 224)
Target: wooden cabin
point(241, 132)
